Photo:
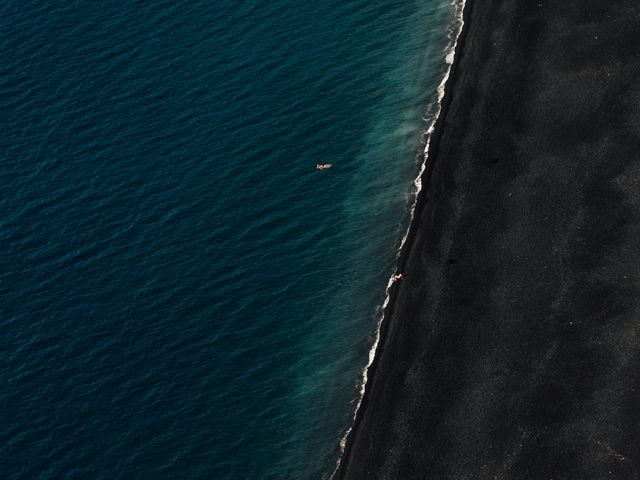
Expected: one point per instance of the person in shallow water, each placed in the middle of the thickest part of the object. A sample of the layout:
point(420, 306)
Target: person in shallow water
point(396, 277)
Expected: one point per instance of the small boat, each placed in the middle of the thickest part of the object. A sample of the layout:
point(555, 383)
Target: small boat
point(323, 166)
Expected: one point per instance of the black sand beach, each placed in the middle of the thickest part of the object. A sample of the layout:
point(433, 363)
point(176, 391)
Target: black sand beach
point(512, 346)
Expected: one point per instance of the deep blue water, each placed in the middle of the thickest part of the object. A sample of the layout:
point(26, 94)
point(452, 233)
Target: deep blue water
point(182, 294)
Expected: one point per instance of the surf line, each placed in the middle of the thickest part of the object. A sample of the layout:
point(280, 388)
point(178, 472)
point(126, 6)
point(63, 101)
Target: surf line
point(455, 29)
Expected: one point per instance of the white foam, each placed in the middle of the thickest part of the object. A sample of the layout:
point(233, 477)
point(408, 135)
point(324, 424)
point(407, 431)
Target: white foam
point(454, 33)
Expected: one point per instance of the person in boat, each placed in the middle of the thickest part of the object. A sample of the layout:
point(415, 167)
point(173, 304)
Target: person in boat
point(323, 166)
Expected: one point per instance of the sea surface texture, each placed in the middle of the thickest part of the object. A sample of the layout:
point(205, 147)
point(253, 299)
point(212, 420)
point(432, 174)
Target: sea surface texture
point(182, 294)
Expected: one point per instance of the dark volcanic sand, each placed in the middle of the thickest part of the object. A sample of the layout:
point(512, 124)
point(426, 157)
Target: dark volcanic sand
point(512, 350)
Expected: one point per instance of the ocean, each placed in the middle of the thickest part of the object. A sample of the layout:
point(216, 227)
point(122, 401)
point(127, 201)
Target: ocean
point(183, 294)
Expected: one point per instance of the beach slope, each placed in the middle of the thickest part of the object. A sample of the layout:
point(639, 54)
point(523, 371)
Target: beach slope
point(511, 348)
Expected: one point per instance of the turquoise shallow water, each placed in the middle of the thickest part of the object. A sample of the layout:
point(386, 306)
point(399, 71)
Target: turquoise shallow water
point(183, 294)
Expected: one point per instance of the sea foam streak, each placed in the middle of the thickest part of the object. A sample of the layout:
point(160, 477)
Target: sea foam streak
point(454, 33)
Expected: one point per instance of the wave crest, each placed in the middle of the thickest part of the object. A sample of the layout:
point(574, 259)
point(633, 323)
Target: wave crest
point(455, 29)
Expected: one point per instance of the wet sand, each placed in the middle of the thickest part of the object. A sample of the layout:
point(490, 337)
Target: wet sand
point(512, 346)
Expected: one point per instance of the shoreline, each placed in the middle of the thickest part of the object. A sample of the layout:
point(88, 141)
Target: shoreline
point(432, 136)
point(507, 351)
